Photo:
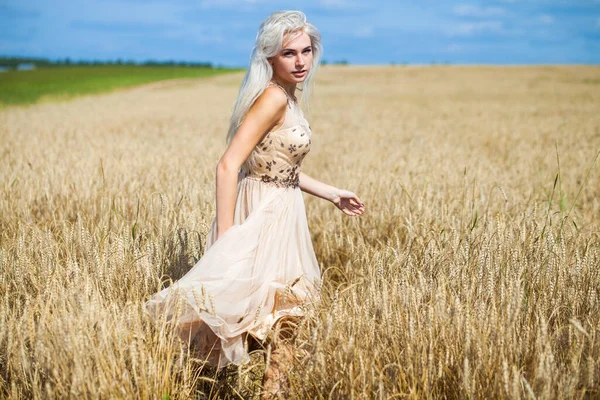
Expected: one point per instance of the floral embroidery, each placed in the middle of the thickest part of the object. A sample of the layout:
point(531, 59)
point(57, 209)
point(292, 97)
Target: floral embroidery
point(266, 178)
point(291, 180)
point(286, 172)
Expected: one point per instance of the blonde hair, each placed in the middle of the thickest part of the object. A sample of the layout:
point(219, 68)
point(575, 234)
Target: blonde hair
point(269, 42)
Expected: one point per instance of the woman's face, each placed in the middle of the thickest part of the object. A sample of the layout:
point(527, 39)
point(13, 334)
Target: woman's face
point(292, 64)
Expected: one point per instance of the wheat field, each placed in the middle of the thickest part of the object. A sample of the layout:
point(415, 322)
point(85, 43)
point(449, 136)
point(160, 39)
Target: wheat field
point(474, 273)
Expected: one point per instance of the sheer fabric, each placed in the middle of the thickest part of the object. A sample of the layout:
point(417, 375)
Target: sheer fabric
point(262, 268)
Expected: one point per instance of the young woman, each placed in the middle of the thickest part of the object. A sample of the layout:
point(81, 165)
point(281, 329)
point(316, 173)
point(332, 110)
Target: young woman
point(259, 267)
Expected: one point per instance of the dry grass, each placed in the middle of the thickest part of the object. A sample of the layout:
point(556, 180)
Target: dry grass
point(474, 274)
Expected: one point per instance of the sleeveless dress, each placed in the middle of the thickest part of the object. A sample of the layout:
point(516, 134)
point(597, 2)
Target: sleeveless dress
point(262, 268)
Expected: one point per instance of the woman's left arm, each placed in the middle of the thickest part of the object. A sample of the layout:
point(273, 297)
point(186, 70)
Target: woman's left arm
point(345, 200)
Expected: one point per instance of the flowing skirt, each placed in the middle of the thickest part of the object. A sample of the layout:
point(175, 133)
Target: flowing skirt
point(261, 269)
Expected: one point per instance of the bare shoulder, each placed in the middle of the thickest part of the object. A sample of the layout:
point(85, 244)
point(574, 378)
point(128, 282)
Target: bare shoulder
point(270, 106)
point(273, 97)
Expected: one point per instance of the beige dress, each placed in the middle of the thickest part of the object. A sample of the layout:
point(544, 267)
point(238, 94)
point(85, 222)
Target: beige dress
point(262, 268)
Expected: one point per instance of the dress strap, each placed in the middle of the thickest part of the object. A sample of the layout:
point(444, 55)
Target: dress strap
point(289, 97)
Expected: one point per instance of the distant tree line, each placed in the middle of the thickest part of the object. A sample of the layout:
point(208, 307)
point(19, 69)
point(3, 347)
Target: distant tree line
point(337, 62)
point(13, 62)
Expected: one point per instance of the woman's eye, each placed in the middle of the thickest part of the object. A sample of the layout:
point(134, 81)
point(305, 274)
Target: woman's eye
point(287, 54)
point(307, 51)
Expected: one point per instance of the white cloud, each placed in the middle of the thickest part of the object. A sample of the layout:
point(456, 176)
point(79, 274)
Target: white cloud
point(228, 3)
point(364, 31)
point(197, 34)
point(469, 29)
point(467, 10)
point(334, 3)
point(454, 48)
point(546, 19)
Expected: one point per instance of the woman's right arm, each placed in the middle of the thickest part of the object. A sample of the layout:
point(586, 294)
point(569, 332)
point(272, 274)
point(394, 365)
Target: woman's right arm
point(265, 113)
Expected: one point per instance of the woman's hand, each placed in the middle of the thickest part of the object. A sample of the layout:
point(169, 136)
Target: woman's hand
point(349, 203)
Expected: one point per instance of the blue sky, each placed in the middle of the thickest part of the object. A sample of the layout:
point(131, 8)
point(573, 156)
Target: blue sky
point(361, 32)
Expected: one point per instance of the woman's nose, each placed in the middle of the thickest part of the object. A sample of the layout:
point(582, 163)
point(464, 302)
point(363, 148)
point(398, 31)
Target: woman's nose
point(300, 60)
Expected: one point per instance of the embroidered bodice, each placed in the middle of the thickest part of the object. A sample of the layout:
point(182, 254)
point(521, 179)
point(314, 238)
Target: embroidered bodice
point(277, 158)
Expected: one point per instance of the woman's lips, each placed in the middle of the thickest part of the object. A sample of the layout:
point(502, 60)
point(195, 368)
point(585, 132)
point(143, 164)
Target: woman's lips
point(299, 73)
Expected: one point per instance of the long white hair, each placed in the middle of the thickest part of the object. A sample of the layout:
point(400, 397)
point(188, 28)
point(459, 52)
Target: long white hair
point(269, 42)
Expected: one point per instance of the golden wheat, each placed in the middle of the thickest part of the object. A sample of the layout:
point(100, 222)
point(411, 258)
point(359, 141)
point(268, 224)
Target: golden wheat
point(473, 274)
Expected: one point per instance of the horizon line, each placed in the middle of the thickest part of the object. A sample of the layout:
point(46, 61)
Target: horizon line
point(324, 63)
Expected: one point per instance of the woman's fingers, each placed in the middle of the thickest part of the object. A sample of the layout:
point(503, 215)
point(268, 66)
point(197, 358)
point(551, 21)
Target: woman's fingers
point(353, 212)
point(358, 205)
point(360, 210)
point(357, 200)
point(351, 204)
